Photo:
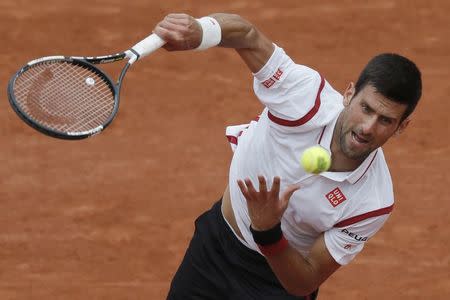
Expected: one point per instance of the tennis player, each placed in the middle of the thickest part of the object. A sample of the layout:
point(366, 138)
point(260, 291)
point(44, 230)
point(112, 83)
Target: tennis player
point(278, 232)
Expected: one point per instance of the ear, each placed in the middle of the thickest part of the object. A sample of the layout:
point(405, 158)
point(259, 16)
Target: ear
point(402, 126)
point(349, 93)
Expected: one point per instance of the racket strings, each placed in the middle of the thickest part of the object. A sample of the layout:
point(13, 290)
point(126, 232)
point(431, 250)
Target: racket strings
point(52, 111)
point(72, 111)
point(64, 96)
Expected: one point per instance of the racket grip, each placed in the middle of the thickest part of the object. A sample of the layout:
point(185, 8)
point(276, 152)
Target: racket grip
point(148, 45)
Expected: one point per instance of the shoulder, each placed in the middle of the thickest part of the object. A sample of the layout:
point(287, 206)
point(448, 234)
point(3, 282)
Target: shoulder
point(297, 96)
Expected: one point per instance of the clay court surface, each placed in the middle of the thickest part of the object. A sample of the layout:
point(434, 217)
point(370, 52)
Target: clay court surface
point(110, 217)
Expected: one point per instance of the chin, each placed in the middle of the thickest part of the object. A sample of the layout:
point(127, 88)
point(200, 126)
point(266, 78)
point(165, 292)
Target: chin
point(360, 155)
point(356, 155)
point(353, 153)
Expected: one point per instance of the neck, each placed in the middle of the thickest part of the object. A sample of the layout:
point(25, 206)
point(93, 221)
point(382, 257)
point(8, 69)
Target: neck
point(341, 162)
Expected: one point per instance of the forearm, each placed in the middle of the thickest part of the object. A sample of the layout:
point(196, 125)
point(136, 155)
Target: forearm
point(302, 275)
point(237, 32)
point(296, 274)
point(252, 45)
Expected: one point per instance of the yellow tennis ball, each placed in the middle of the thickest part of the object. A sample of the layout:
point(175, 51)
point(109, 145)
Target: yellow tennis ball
point(315, 160)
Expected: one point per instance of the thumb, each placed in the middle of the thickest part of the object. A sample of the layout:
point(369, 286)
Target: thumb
point(286, 196)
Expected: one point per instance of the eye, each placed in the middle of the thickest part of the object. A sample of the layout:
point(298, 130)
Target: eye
point(365, 108)
point(386, 121)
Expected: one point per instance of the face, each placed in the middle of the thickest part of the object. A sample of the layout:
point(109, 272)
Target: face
point(368, 121)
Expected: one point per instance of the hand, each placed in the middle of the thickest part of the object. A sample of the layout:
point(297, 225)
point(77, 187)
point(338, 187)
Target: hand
point(180, 31)
point(265, 207)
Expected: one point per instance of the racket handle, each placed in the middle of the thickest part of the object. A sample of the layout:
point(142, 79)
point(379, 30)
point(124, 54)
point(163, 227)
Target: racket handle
point(148, 45)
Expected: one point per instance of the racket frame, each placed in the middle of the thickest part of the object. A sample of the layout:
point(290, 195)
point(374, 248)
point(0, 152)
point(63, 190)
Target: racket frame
point(83, 61)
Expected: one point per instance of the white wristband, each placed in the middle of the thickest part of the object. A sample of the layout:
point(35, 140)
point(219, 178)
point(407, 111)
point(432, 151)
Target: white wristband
point(212, 33)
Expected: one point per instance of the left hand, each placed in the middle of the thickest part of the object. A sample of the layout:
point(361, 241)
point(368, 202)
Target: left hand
point(266, 207)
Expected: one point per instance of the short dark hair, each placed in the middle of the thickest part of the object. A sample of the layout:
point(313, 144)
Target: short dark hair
point(395, 77)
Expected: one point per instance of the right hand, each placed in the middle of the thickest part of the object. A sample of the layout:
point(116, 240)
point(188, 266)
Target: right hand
point(180, 31)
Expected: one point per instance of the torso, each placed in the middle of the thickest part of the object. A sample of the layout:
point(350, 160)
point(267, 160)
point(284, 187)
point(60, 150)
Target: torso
point(228, 213)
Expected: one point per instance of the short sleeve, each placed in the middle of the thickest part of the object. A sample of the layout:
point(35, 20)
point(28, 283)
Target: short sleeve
point(344, 243)
point(287, 89)
point(297, 96)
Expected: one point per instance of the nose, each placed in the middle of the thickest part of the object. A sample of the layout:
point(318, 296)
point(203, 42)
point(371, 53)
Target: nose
point(368, 126)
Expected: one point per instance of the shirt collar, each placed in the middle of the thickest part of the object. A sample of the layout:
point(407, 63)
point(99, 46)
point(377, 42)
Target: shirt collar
point(353, 176)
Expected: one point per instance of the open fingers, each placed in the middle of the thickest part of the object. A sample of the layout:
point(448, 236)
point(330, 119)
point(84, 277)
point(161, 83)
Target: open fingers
point(287, 194)
point(247, 189)
point(250, 187)
point(243, 189)
point(275, 190)
point(262, 184)
point(290, 190)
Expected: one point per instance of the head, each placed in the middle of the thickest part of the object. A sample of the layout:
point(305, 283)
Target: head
point(379, 105)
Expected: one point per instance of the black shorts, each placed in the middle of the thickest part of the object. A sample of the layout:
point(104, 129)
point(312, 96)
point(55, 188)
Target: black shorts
point(218, 266)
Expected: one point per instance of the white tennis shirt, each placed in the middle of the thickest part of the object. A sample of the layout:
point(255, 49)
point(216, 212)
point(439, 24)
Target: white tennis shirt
point(301, 111)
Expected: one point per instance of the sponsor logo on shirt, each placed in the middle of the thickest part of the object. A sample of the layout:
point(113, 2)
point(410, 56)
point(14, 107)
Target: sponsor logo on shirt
point(355, 236)
point(335, 197)
point(348, 246)
point(275, 77)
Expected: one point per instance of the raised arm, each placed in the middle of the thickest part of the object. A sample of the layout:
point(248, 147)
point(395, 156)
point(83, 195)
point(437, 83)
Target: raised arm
point(184, 32)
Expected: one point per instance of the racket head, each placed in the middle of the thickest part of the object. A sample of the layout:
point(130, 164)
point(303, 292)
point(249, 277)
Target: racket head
point(64, 97)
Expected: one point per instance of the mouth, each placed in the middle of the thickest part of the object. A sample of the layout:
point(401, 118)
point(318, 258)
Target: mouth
point(359, 139)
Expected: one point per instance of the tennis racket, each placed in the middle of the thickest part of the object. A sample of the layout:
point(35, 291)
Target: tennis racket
point(68, 97)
